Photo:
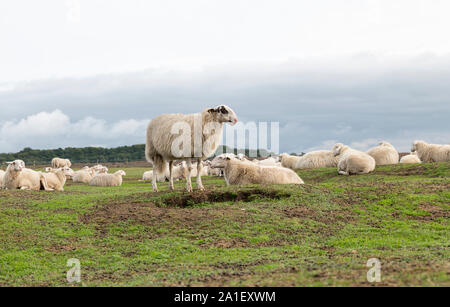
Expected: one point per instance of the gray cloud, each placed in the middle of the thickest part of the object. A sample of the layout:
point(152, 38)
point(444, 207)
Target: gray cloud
point(356, 100)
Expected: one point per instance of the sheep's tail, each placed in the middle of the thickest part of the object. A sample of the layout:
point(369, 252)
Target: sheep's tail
point(152, 156)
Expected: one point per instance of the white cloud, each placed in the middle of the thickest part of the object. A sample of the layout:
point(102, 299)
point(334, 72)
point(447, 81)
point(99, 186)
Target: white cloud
point(55, 129)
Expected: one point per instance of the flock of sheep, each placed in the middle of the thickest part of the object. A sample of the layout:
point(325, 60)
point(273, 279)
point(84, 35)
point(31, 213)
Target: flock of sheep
point(17, 176)
point(279, 170)
point(236, 169)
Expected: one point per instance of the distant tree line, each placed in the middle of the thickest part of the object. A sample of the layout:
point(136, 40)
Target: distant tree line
point(78, 155)
point(102, 155)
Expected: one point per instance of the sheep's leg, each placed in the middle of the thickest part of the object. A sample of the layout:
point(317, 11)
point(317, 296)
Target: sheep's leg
point(171, 188)
point(188, 179)
point(154, 185)
point(199, 177)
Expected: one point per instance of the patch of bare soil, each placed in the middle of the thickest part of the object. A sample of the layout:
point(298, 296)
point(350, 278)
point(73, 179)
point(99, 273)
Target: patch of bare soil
point(334, 218)
point(148, 214)
point(198, 197)
point(435, 212)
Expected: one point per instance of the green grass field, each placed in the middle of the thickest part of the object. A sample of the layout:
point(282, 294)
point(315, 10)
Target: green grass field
point(319, 234)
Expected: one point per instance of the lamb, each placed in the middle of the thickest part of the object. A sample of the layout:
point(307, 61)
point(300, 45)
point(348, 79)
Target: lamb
point(83, 176)
point(2, 174)
point(56, 178)
point(19, 177)
point(202, 133)
point(241, 173)
point(289, 161)
point(384, 154)
point(353, 161)
point(411, 158)
point(108, 180)
point(58, 163)
point(317, 159)
point(431, 152)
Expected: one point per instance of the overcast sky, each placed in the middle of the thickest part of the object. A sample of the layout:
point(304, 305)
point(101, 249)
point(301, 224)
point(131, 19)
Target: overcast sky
point(91, 72)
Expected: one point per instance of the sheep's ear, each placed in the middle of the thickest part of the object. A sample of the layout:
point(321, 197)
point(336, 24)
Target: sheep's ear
point(10, 162)
point(212, 110)
point(228, 158)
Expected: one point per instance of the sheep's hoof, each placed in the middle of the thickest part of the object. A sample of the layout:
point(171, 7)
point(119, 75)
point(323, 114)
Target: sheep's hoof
point(202, 188)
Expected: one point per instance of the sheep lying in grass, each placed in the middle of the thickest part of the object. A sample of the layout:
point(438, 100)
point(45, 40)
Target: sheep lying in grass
point(56, 178)
point(204, 135)
point(83, 176)
point(58, 163)
point(431, 152)
point(2, 174)
point(384, 154)
point(317, 159)
point(108, 180)
point(353, 161)
point(289, 161)
point(69, 172)
point(194, 171)
point(409, 159)
point(100, 169)
point(148, 176)
point(241, 173)
point(19, 177)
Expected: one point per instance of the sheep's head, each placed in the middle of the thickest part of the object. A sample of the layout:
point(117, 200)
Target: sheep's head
point(417, 145)
point(121, 173)
point(17, 165)
point(240, 156)
point(337, 149)
point(68, 171)
point(220, 161)
point(282, 156)
point(224, 114)
point(384, 143)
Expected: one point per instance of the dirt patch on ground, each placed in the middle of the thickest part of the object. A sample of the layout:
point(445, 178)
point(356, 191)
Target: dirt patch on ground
point(148, 214)
point(328, 217)
point(434, 211)
point(191, 199)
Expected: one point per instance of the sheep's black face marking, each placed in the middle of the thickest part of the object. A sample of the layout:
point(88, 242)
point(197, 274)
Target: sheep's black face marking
point(223, 110)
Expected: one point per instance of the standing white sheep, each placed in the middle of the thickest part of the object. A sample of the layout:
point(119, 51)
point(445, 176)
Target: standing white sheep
point(317, 159)
point(19, 177)
point(384, 154)
point(108, 180)
point(201, 135)
point(241, 173)
point(58, 163)
point(431, 152)
point(353, 161)
point(409, 159)
point(56, 178)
